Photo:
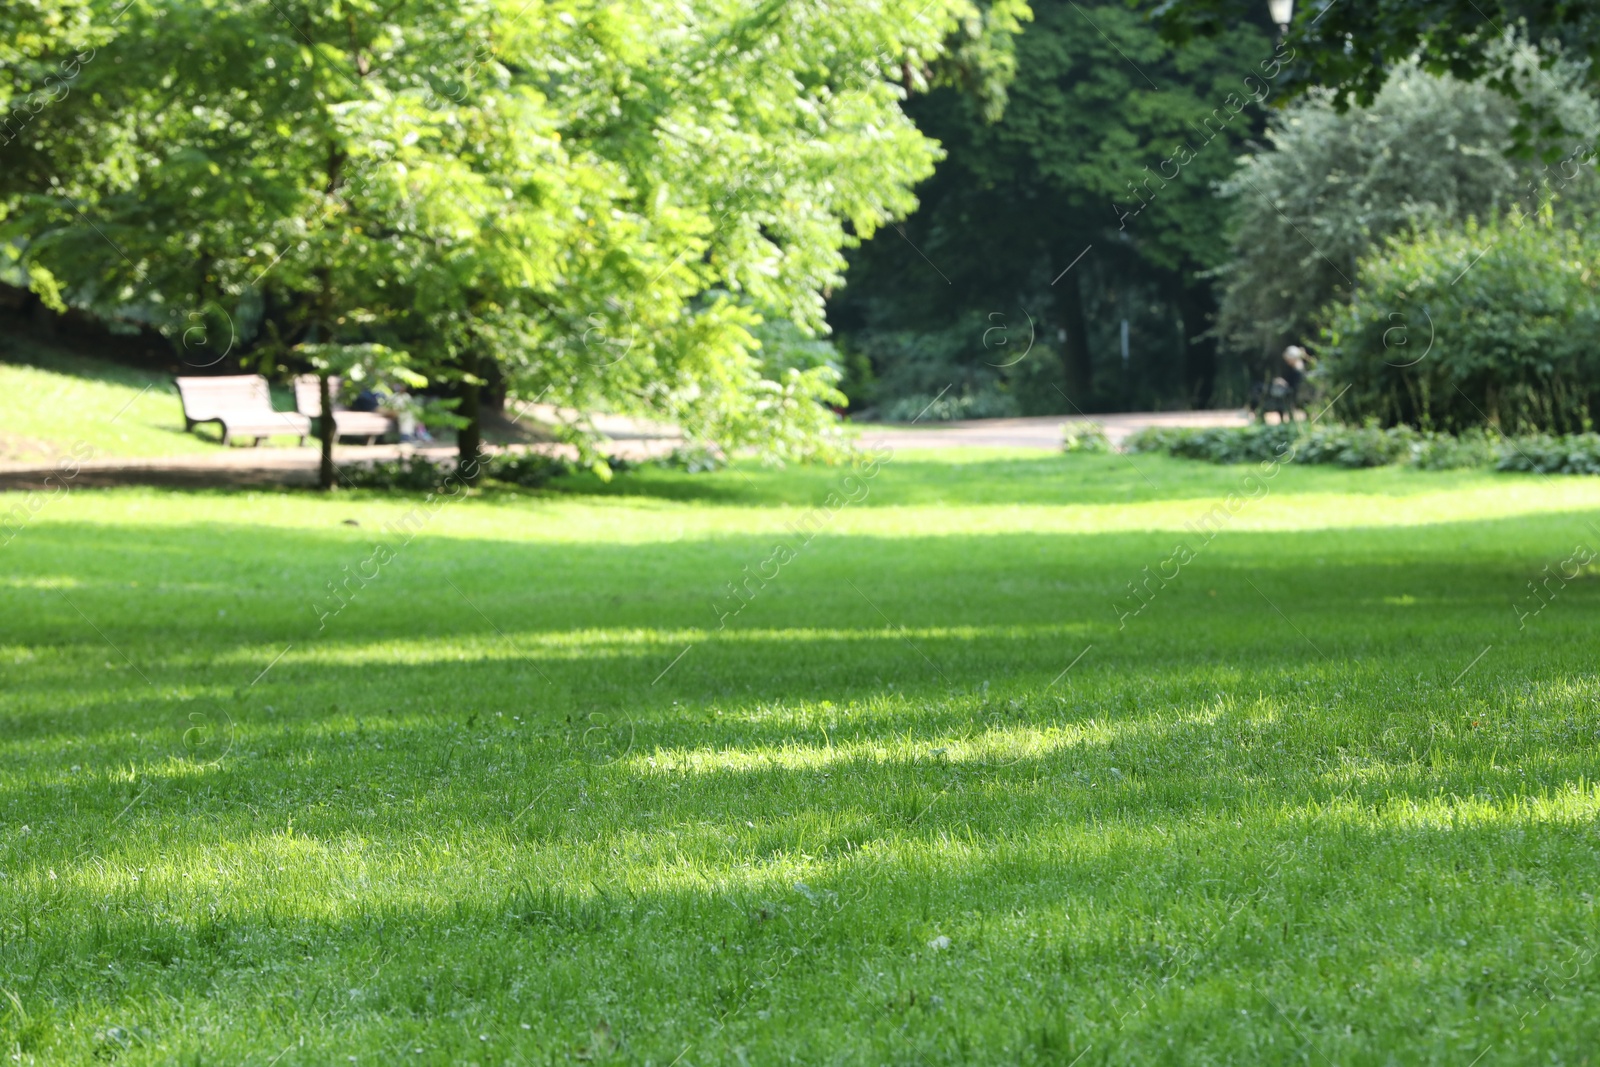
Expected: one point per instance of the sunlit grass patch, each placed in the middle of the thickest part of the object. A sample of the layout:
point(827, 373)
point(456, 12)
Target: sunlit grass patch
point(55, 405)
point(925, 798)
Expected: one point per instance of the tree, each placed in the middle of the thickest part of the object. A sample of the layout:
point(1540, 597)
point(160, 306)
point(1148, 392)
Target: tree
point(598, 201)
point(1468, 325)
point(1352, 48)
point(1332, 186)
point(353, 363)
point(1111, 142)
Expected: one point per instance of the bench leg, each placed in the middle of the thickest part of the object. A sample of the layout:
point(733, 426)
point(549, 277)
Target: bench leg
point(227, 438)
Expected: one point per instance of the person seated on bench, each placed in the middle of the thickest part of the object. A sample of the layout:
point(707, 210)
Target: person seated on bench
point(399, 406)
point(370, 399)
point(347, 422)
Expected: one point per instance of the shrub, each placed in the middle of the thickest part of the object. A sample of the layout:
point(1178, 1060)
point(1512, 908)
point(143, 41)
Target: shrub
point(985, 404)
point(1475, 447)
point(409, 472)
point(531, 470)
point(1355, 446)
point(693, 458)
point(1218, 444)
point(1373, 446)
point(1573, 454)
point(1085, 437)
point(914, 366)
point(1481, 326)
point(1429, 150)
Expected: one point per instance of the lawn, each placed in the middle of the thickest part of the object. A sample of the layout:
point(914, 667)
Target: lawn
point(58, 405)
point(921, 800)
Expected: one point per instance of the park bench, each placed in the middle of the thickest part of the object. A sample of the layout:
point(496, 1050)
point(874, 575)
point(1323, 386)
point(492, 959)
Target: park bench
point(242, 403)
point(308, 401)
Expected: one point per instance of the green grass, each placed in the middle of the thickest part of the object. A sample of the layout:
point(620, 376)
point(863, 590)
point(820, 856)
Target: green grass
point(56, 404)
point(522, 802)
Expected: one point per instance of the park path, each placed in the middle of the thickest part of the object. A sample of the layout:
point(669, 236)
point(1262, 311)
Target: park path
point(633, 440)
point(1039, 432)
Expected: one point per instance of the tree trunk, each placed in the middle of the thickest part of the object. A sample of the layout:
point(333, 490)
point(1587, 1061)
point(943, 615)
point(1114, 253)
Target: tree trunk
point(1197, 304)
point(325, 421)
point(1075, 360)
point(469, 439)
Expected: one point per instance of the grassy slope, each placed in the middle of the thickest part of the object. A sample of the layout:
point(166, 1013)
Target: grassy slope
point(56, 404)
point(473, 817)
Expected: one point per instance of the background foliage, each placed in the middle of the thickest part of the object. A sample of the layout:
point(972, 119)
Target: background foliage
point(1086, 156)
point(1496, 324)
point(1333, 184)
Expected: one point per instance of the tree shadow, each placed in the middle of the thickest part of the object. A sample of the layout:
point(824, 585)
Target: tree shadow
point(1068, 906)
point(502, 799)
point(923, 479)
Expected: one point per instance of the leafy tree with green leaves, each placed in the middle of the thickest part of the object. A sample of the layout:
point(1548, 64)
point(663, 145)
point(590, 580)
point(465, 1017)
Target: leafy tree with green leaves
point(1332, 185)
point(1456, 327)
point(1111, 141)
point(1351, 49)
point(597, 202)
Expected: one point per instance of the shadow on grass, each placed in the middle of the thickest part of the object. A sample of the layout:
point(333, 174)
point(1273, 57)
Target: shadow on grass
point(583, 627)
point(963, 479)
point(970, 478)
point(1119, 912)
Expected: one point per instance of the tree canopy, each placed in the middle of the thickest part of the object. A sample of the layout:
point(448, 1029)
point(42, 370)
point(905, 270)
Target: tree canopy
point(596, 202)
point(1352, 48)
point(1111, 142)
point(1332, 186)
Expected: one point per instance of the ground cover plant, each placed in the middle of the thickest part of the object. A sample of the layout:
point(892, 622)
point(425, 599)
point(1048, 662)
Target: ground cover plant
point(505, 792)
point(1373, 446)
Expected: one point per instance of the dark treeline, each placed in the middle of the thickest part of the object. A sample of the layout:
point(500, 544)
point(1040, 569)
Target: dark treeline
point(1062, 256)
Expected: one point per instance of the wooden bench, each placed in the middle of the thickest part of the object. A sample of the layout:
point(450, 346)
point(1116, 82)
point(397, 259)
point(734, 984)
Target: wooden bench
point(308, 401)
point(242, 403)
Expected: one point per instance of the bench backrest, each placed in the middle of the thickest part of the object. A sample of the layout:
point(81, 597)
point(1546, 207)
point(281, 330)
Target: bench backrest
point(224, 394)
point(308, 394)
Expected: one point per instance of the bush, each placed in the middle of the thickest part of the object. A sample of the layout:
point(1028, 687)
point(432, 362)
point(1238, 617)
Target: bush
point(1441, 451)
point(1085, 437)
point(1220, 444)
point(974, 360)
point(410, 472)
point(985, 404)
point(1493, 326)
point(1573, 454)
point(1428, 151)
point(418, 473)
point(1355, 446)
point(1373, 446)
point(693, 458)
point(531, 470)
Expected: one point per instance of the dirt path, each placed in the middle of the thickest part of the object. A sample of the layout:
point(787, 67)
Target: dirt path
point(1042, 432)
point(244, 466)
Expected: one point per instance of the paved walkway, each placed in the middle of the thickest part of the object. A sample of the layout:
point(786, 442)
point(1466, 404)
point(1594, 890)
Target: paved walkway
point(1041, 432)
point(245, 465)
point(298, 466)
